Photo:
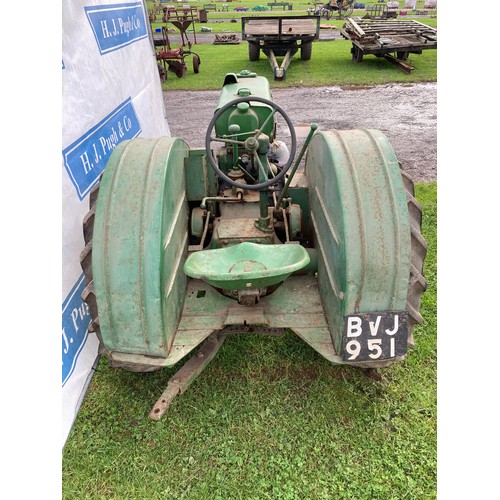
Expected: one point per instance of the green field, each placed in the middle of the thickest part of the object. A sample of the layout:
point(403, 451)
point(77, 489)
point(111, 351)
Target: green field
point(330, 64)
point(268, 418)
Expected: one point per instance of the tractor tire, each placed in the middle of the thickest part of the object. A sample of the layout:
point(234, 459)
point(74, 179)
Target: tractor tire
point(417, 284)
point(306, 51)
point(253, 51)
point(88, 294)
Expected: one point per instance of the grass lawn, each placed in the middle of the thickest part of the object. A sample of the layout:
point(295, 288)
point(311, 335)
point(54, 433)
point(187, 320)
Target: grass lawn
point(331, 64)
point(269, 418)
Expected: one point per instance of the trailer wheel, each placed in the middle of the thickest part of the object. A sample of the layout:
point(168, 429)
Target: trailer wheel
point(306, 51)
point(357, 53)
point(346, 11)
point(196, 63)
point(402, 56)
point(253, 51)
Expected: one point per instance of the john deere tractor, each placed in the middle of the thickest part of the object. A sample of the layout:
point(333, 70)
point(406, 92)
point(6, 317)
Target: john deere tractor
point(186, 246)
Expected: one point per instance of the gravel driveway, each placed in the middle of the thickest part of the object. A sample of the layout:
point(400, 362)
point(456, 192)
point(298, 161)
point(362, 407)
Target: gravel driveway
point(405, 113)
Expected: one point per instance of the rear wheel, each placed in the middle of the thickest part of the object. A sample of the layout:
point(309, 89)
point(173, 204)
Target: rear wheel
point(253, 51)
point(306, 51)
point(417, 284)
point(196, 63)
point(88, 294)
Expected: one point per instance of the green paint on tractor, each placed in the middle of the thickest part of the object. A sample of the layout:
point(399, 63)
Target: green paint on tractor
point(185, 246)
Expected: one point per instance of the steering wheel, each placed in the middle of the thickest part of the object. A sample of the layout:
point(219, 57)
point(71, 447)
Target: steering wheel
point(250, 143)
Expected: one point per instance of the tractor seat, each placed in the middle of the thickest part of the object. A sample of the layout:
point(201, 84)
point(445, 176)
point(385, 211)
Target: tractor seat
point(246, 265)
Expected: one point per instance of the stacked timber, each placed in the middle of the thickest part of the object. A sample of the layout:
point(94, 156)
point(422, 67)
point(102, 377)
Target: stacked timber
point(387, 33)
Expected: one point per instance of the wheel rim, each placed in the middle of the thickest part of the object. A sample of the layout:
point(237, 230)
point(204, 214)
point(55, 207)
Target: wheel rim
point(346, 11)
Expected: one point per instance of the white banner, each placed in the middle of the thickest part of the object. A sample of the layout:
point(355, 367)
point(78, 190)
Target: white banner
point(111, 92)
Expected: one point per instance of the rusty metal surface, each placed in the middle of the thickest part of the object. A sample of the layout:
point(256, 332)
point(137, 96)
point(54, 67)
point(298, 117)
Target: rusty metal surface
point(398, 62)
point(228, 231)
point(171, 58)
point(296, 304)
point(226, 40)
point(187, 374)
point(182, 19)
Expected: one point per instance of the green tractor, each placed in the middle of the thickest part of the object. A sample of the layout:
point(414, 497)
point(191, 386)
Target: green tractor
point(186, 246)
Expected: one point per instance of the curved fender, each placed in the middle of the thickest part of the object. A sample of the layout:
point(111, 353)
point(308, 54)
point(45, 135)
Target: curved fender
point(139, 246)
point(360, 222)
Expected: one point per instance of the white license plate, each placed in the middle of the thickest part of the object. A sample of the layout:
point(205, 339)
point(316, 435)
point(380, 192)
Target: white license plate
point(374, 336)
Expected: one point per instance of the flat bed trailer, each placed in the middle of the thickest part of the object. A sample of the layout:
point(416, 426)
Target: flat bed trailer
point(280, 36)
point(383, 38)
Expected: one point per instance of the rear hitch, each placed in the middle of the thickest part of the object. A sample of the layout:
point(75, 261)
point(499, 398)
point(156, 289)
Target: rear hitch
point(179, 383)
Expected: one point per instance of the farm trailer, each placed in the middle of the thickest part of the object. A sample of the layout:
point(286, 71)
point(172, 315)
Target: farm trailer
point(382, 38)
point(280, 36)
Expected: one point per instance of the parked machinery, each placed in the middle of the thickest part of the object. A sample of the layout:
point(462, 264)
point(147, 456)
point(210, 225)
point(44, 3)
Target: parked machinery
point(187, 246)
point(280, 36)
point(343, 9)
point(393, 40)
point(174, 58)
